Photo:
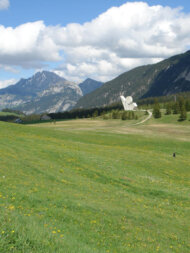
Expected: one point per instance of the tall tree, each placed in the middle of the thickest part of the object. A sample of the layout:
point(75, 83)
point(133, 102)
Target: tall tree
point(176, 108)
point(168, 109)
point(187, 105)
point(156, 110)
point(183, 113)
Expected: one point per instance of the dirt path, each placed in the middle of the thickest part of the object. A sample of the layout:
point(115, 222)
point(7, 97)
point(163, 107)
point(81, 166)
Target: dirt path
point(144, 120)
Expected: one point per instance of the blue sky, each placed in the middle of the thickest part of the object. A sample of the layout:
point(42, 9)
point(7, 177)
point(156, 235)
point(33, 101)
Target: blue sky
point(62, 12)
point(84, 38)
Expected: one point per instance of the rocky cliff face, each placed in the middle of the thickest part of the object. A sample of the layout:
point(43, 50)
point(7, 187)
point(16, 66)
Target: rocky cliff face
point(43, 92)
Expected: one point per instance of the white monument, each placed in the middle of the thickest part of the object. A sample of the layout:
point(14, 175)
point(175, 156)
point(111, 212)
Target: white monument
point(128, 103)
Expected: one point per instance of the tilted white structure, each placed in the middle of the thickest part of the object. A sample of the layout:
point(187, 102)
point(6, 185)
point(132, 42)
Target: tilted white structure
point(128, 103)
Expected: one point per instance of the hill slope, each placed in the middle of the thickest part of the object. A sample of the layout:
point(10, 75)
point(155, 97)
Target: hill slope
point(81, 186)
point(166, 77)
point(45, 91)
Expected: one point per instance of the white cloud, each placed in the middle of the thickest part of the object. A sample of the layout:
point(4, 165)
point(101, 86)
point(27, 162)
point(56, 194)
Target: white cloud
point(4, 4)
point(6, 83)
point(116, 41)
point(27, 45)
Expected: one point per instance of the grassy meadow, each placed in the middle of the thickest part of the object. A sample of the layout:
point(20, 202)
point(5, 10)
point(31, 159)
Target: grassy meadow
point(95, 186)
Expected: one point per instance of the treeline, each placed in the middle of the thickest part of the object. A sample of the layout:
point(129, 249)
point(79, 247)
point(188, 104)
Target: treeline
point(121, 114)
point(180, 106)
point(149, 102)
point(85, 113)
point(174, 104)
point(8, 118)
point(12, 111)
point(10, 115)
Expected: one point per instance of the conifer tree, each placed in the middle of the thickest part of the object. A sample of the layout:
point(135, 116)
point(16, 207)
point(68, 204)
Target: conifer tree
point(168, 109)
point(183, 113)
point(176, 108)
point(187, 105)
point(156, 110)
point(124, 116)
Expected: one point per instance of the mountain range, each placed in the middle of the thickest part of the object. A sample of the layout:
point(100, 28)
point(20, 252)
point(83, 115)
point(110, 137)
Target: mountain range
point(48, 92)
point(167, 77)
point(44, 92)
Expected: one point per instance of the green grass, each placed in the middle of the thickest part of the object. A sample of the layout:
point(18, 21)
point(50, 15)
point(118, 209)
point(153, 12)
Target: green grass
point(9, 113)
point(94, 186)
point(174, 119)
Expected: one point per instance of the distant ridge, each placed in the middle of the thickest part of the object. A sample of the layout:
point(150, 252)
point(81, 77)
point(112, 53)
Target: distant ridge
point(89, 85)
point(164, 78)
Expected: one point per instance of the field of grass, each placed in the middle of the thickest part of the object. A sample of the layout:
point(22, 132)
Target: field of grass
point(95, 186)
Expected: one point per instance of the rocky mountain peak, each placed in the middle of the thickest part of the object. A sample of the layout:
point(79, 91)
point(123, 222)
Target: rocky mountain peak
point(43, 92)
point(89, 85)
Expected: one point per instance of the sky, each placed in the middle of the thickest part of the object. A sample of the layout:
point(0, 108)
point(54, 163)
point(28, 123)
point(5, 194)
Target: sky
point(80, 39)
